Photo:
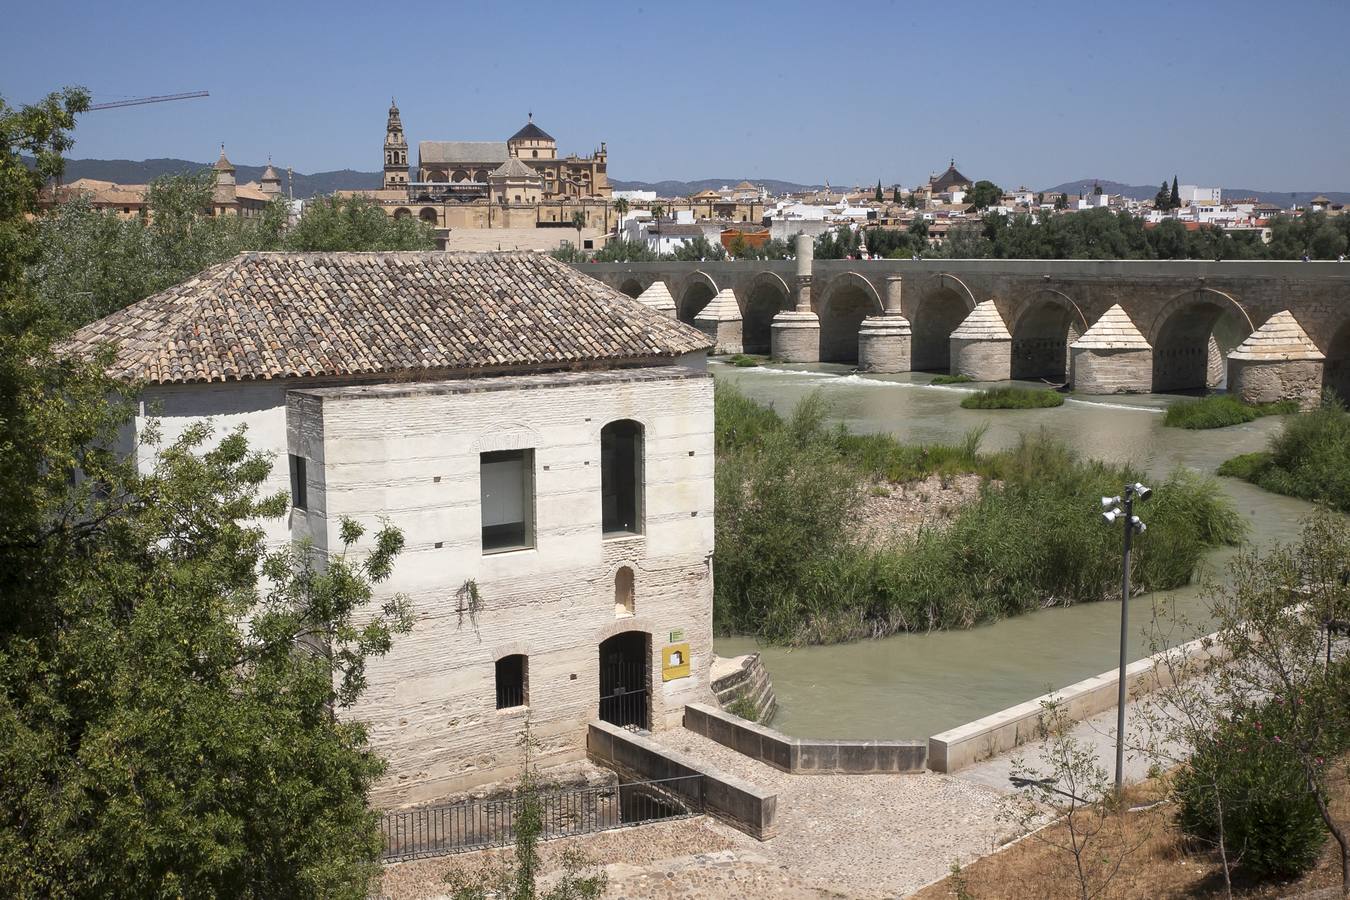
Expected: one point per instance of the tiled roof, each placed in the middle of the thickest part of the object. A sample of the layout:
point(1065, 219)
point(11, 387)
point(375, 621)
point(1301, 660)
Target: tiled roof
point(531, 132)
point(462, 152)
point(514, 168)
point(296, 315)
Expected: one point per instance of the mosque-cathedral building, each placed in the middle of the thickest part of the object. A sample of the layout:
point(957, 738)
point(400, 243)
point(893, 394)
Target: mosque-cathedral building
point(519, 183)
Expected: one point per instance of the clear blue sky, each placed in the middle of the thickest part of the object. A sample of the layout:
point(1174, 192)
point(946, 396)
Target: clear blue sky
point(1238, 93)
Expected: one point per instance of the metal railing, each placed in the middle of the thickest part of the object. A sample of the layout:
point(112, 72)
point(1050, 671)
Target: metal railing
point(480, 824)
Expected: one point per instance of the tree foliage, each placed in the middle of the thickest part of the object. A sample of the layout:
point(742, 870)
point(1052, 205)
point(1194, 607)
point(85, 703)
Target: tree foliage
point(984, 194)
point(167, 722)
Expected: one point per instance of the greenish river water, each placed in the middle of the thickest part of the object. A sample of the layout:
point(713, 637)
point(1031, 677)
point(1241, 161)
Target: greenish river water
point(916, 685)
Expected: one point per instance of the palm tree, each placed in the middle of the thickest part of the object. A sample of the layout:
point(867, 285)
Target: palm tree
point(657, 210)
point(579, 222)
point(620, 207)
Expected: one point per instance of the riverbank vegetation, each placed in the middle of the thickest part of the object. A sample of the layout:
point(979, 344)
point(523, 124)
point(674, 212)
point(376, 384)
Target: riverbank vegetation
point(788, 494)
point(1013, 398)
point(951, 379)
point(1308, 459)
point(1222, 410)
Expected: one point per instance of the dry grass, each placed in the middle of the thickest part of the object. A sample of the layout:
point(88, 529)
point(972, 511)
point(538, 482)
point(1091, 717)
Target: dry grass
point(1164, 864)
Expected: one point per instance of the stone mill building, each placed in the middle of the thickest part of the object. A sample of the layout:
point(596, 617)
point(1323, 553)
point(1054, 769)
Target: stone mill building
point(544, 442)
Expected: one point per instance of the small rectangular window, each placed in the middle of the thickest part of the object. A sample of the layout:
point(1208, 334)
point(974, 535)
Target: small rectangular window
point(299, 494)
point(512, 682)
point(506, 484)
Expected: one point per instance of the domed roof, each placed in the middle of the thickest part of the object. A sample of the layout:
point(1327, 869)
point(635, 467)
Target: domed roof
point(223, 164)
point(531, 132)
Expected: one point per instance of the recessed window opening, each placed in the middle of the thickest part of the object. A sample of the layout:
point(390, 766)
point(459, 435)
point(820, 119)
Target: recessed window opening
point(299, 483)
point(513, 681)
point(623, 592)
point(506, 480)
point(621, 477)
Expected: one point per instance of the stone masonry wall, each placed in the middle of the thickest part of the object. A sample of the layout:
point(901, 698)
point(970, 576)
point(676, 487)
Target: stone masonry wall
point(982, 360)
point(410, 453)
point(1112, 371)
point(1268, 382)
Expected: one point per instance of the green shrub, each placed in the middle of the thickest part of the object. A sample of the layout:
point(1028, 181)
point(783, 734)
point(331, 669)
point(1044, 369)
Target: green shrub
point(1309, 458)
point(789, 567)
point(1222, 410)
point(744, 708)
point(1013, 398)
point(1271, 824)
point(951, 379)
point(745, 360)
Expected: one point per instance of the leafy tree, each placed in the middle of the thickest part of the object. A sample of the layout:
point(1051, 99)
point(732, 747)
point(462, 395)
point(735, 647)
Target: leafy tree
point(984, 194)
point(700, 248)
point(167, 724)
point(657, 211)
point(336, 224)
point(1061, 201)
point(623, 250)
point(1163, 199)
point(736, 249)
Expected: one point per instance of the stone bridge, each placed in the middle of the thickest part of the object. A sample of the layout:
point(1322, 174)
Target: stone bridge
point(1272, 329)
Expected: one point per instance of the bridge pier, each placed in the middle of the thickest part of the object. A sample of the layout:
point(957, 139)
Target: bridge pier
point(1111, 357)
point(658, 298)
point(884, 341)
point(1278, 361)
point(795, 334)
point(981, 346)
point(721, 321)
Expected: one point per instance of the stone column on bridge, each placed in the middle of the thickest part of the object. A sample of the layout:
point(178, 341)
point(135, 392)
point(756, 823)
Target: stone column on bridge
point(658, 298)
point(1111, 357)
point(982, 346)
point(721, 321)
point(795, 334)
point(1278, 361)
point(884, 340)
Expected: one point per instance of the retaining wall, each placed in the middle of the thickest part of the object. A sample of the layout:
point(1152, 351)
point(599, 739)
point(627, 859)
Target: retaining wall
point(1000, 732)
point(738, 803)
point(747, 680)
point(805, 756)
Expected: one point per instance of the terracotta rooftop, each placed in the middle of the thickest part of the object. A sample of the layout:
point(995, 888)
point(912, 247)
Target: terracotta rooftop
point(296, 315)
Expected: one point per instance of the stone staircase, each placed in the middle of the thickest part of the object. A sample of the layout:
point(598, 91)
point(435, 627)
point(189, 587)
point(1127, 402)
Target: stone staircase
point(744, 679)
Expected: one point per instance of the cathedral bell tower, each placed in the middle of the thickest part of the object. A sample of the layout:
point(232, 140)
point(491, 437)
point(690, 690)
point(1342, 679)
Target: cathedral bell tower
point(395, 152)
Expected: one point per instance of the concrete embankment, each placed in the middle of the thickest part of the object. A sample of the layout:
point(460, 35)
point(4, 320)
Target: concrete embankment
point(992, 735)
point(742, 683)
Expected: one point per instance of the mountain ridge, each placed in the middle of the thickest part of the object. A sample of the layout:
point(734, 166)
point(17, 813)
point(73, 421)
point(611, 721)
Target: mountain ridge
point(127, 171)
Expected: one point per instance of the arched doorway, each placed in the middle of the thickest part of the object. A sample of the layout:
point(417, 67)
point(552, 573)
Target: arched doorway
point(402, 213)
point(428, 215)
point(696, 296)
point(1192, 341)
point(632, 287)
point(848, 300)
point(766, 300)
point(1336, 370)
point(625, 688)
point(1041, 337)
point(935, 318)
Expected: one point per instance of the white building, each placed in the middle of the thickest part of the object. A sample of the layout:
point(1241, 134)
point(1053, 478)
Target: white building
point(1191, 195)
point(544, 442)
point(636, 196)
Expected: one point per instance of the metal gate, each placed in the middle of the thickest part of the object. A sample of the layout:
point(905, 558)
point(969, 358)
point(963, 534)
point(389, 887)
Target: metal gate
point(624, 693)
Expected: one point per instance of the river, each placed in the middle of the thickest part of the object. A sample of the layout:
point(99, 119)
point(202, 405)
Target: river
point(910, 686)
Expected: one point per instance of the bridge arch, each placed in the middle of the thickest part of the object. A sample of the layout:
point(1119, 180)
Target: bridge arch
point(1336, 369)
point(933, 319)
point(846, 301)
point(763, 298)
point(1192, 336)
point(1047, 322)
point(632, 287)
point(696, 292)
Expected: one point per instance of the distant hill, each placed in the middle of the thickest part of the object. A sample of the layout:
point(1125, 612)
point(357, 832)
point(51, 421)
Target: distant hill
point(686, 188)
point(1148, 191)
point(130, 171)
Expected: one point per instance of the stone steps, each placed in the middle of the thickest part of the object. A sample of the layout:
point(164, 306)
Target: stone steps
point(748, 680)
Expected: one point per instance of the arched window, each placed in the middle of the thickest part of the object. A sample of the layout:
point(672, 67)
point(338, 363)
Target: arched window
point(623, 593)
point(513, 681)
point(621, 477)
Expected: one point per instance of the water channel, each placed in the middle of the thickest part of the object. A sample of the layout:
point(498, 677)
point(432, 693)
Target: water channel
point(916, 685)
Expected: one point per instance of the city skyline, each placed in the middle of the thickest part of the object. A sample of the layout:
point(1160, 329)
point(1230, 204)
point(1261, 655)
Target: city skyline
point(1036, 96)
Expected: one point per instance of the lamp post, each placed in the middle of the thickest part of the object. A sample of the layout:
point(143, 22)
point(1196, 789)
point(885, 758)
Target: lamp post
point(1112, 513)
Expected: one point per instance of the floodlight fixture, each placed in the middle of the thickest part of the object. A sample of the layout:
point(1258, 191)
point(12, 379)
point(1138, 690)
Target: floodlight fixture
point(1139, 526)
point(1108, 502)
point(1110, 516)
point(1141, 492)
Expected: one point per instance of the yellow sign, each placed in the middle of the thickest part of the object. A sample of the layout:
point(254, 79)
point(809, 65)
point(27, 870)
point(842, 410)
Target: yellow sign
point(674, 662)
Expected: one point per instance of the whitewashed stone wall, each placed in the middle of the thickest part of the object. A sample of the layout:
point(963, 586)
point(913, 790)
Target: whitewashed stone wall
point(410, 453)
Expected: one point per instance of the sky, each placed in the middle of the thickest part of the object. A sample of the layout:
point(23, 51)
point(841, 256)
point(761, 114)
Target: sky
point(1219, 92)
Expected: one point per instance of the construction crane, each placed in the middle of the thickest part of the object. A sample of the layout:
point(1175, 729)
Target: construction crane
point(138, 101)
